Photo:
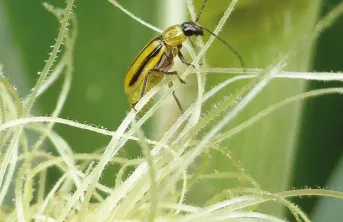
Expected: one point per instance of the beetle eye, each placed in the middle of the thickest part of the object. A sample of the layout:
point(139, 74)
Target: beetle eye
point(188, 32)
point(188, 29)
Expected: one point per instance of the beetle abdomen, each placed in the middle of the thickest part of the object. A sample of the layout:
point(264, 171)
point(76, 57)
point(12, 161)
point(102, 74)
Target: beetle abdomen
point(145, 59)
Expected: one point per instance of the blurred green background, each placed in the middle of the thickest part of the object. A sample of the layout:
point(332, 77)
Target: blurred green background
point(107, 43)
point(320, 146)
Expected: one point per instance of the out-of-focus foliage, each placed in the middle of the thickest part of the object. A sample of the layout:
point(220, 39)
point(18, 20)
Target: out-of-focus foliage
point(262, 33)
point(107, 42)
point(320, 139)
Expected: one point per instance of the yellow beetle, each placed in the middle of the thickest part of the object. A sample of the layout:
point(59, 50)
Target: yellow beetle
point(156, 59)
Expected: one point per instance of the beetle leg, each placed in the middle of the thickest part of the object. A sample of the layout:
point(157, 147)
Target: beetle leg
point(175, 73)
point(183, 60)
point(133, 106)
point(160, 73)
point(177, 102)
point(155, 72)
point(176, 99)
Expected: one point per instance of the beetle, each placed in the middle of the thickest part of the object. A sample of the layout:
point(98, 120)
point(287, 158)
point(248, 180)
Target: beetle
point(156, 59)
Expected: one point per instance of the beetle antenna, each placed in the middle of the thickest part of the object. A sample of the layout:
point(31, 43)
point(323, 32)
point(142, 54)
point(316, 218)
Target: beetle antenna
point(200, 12)
point(229, 46)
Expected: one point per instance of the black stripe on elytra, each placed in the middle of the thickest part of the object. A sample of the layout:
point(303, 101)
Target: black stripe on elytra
point(143, 64)
point(157, 38)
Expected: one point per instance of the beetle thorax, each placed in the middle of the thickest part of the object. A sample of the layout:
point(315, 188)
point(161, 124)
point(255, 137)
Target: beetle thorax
point(174, 36)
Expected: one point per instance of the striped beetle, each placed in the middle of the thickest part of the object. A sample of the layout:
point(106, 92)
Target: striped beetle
point(156, 59)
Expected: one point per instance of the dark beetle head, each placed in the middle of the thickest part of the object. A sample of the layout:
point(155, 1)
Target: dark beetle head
point(191, 28)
